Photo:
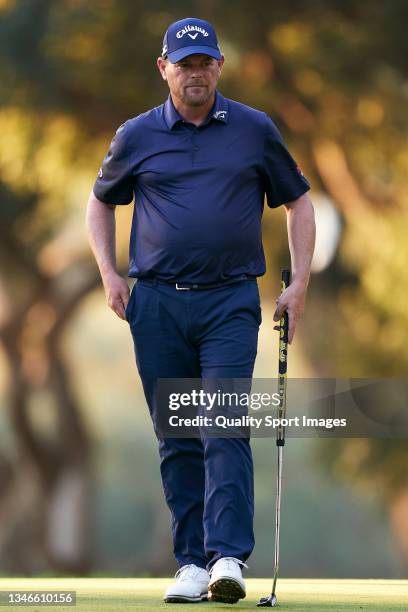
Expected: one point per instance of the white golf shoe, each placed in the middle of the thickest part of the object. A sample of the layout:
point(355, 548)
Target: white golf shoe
point(190, 586)
point(226, 584)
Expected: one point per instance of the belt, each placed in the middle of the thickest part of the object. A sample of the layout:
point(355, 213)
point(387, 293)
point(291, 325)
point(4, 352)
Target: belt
point(196, 286)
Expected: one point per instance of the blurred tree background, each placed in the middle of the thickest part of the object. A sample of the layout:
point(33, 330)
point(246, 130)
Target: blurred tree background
point(79, 479)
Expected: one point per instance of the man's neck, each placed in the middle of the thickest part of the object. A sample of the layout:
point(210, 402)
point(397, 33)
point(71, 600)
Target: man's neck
point(193, 114)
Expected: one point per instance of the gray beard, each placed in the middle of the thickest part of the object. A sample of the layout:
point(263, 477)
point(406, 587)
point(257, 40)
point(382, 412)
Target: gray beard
point(196, 101)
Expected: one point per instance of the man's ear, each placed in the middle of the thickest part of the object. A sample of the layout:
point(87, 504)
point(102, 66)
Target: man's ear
point(220, 64)
point(161, 65)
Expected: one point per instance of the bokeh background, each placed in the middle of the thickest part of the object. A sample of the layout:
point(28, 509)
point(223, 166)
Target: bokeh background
point(80, 490)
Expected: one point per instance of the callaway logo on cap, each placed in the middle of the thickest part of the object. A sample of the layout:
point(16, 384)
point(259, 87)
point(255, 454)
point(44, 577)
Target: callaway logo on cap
point(190, 36)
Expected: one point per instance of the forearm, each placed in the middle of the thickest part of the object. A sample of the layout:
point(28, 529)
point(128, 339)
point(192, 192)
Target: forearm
point(101, 228)
point(301, 235)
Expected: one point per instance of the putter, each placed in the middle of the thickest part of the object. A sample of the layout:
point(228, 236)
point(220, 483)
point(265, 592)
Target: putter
point(271, 600)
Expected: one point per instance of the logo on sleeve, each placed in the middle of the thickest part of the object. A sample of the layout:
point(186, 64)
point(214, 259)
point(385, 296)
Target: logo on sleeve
point(100, 172)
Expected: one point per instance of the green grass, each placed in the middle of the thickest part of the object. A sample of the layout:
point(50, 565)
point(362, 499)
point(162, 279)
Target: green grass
point(116, 594)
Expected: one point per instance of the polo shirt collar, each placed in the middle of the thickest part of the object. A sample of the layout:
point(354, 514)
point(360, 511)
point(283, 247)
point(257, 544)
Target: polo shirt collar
point(171, 115)
point(219, 111)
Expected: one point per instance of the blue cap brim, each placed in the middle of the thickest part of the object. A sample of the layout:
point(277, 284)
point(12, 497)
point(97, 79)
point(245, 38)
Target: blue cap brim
point(180, 54)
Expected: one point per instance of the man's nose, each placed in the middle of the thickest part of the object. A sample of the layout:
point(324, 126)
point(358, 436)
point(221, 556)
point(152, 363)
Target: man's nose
point(196, 72)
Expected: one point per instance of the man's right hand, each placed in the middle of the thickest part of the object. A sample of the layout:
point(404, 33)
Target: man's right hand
point(117, 293)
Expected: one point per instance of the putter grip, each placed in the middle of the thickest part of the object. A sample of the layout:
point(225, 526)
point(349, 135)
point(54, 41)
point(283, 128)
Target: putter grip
point(283, 348)
point(283, 362)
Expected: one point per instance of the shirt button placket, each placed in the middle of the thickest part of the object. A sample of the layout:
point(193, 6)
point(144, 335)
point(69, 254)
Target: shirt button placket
point(194, 147)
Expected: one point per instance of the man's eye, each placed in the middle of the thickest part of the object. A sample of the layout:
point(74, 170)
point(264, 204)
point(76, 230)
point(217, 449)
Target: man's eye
point(187, 66)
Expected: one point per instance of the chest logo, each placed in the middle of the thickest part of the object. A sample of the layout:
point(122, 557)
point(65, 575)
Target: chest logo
point(220, 115)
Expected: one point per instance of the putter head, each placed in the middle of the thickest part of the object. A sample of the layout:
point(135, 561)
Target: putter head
point(268, 602)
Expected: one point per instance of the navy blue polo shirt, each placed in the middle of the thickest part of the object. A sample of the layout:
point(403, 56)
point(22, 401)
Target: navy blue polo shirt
point(199, 191)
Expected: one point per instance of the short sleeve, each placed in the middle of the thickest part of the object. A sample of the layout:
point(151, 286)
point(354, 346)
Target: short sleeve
point(283, 179)
point(114, 184)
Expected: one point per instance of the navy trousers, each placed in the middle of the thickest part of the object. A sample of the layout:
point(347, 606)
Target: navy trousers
point(208, 482)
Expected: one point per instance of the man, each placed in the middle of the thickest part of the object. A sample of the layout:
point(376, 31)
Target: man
point(199, 167)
